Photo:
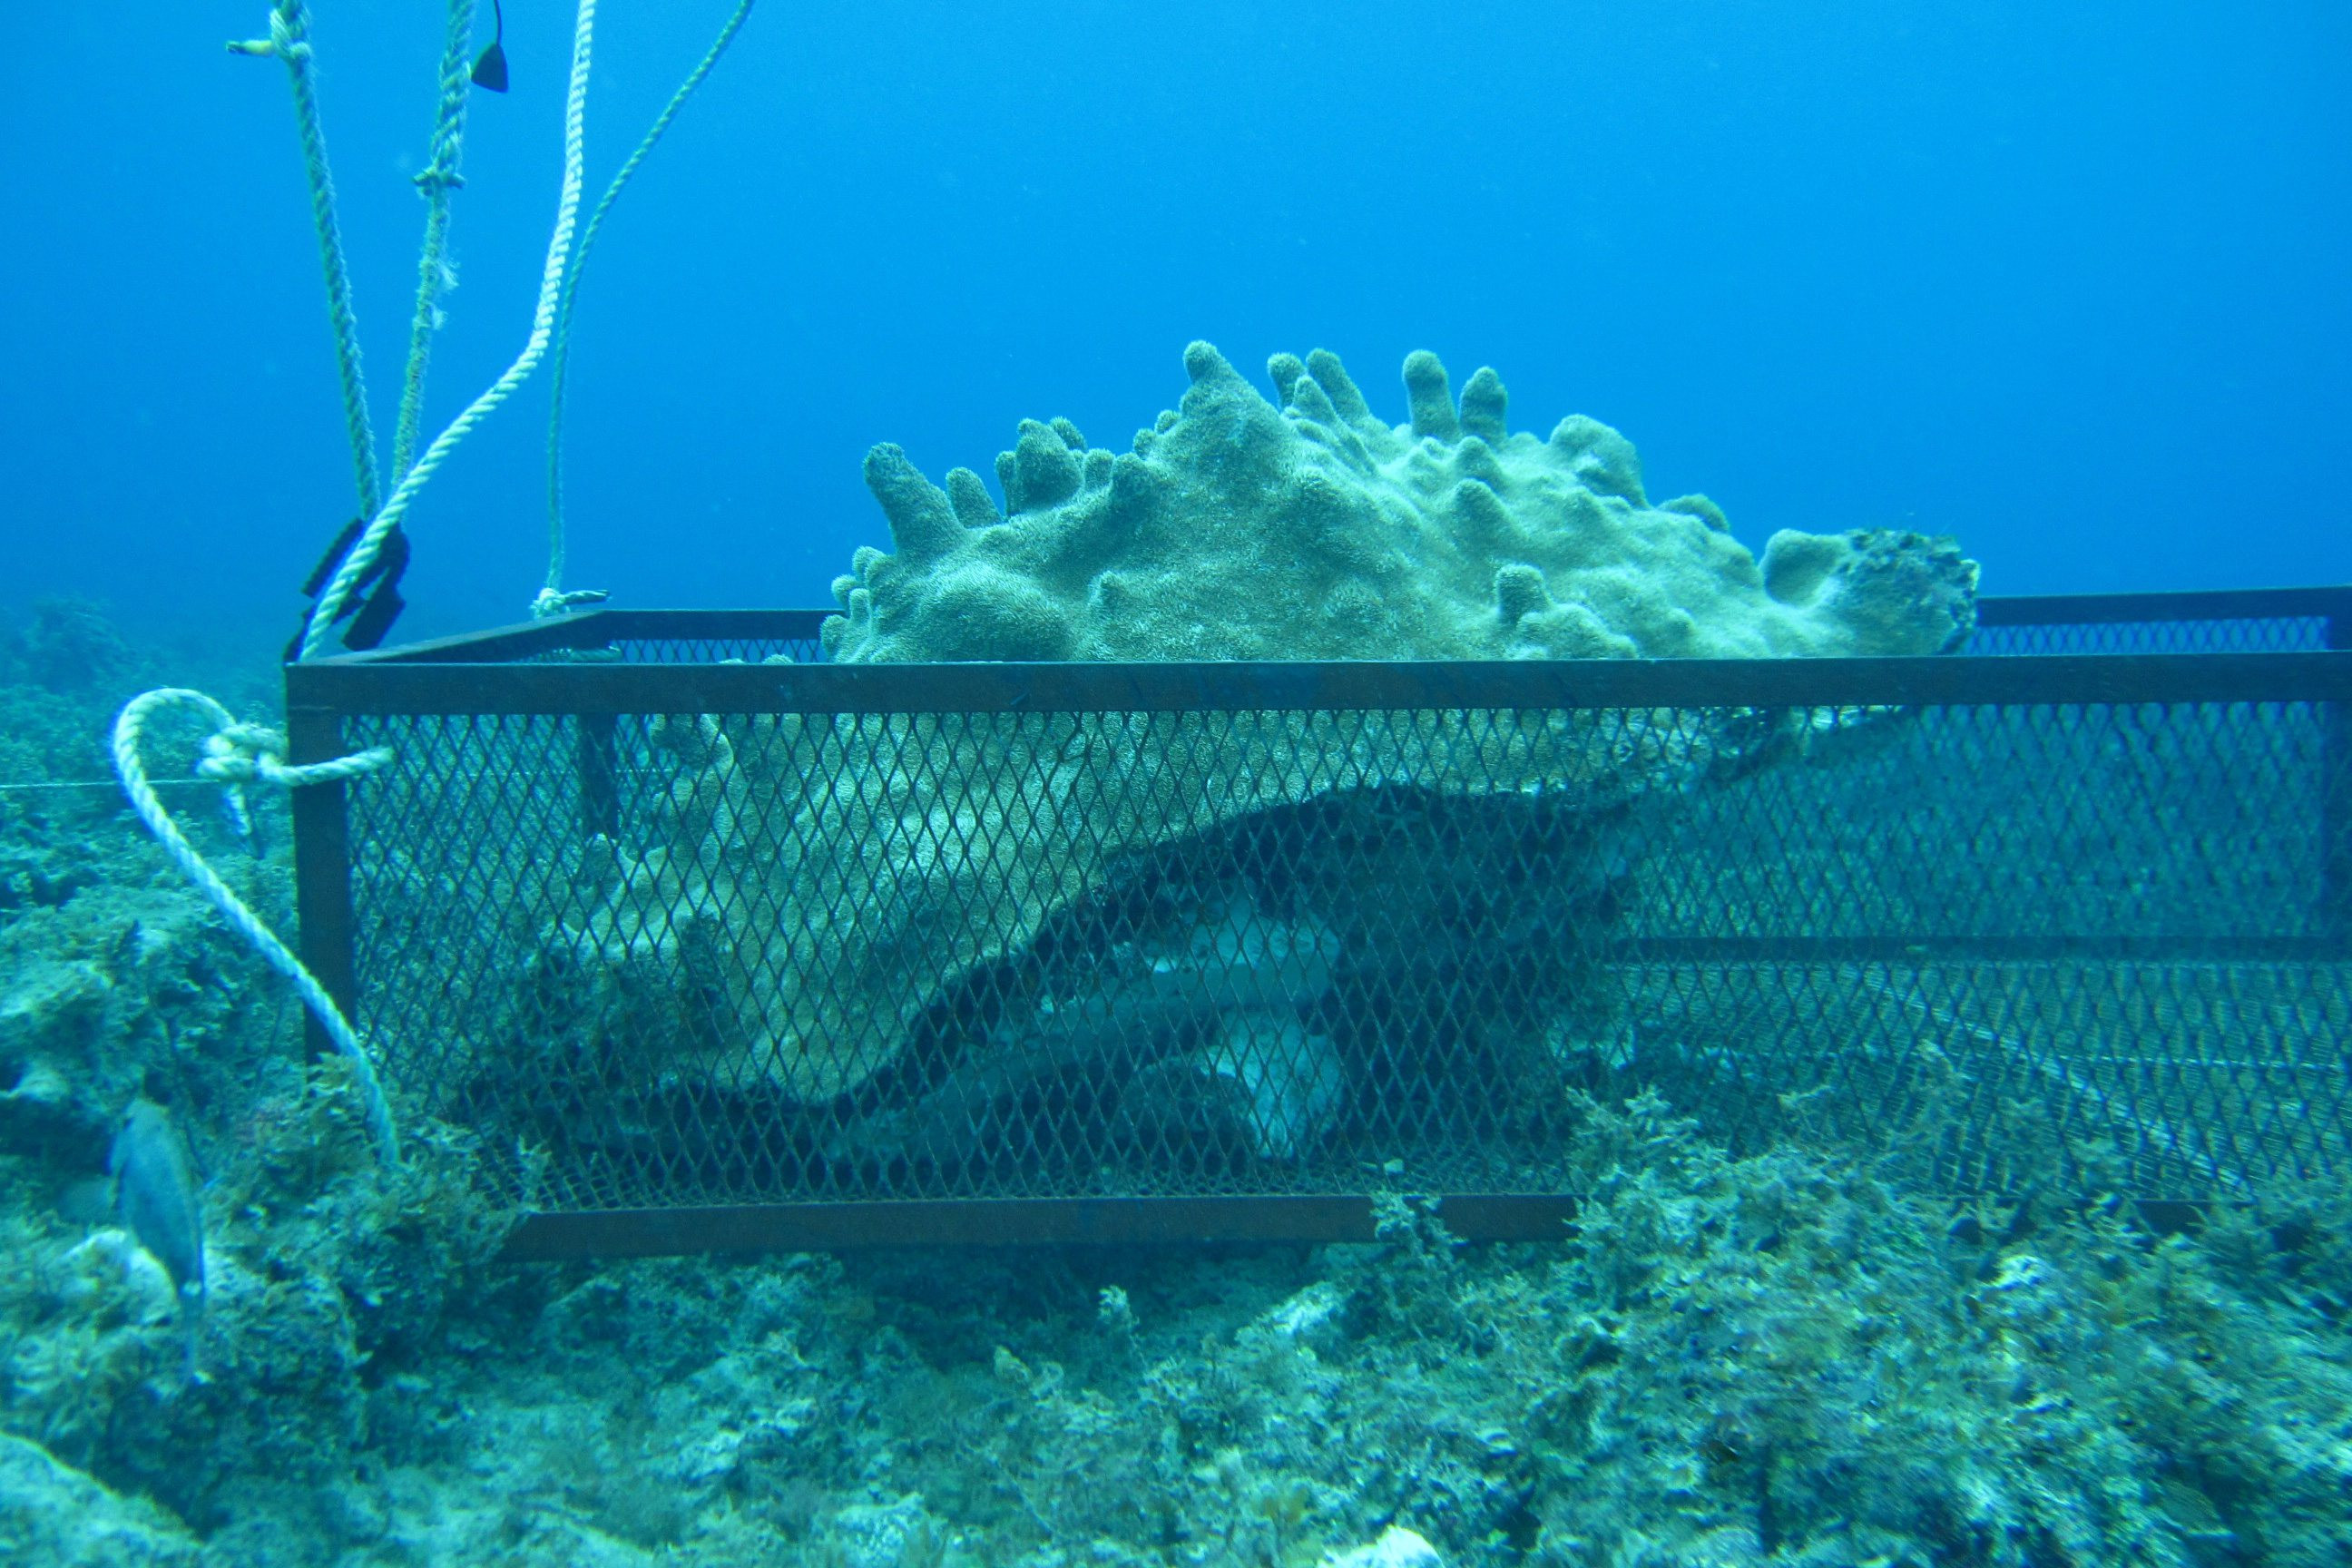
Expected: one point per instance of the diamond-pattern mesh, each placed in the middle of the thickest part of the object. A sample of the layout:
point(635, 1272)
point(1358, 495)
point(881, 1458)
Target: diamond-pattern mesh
point(2065, 937)
point(716, 650)
point(2266, 634)
point(694, 959)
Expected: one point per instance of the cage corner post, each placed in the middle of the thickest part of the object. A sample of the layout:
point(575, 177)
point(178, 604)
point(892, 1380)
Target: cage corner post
point(2335, 914)
point(322, 857)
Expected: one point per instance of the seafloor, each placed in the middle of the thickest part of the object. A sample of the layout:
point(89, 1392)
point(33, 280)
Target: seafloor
point(1784, 1358)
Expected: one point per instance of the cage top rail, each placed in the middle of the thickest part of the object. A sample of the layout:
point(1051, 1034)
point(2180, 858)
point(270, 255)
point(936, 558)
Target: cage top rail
point(594, 628)
point(601, 627)
point(393, 688)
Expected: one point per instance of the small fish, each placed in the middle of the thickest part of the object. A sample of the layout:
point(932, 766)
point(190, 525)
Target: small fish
point(155, 1196)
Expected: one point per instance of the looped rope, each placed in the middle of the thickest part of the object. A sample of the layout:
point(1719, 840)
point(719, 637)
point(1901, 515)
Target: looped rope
point(239, 754)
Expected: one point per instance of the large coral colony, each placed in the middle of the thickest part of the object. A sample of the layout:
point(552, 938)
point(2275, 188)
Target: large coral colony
point(1236, 529)
point(1781, 1357)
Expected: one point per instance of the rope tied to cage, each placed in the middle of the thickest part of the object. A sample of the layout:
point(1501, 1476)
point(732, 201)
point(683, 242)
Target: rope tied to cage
point(363, 553)
point(552, 600)
point(252, 753)
point(238, 753)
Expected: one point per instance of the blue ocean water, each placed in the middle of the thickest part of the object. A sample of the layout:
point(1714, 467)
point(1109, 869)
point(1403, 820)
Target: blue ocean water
point(2062, 282)
point(2066, 282)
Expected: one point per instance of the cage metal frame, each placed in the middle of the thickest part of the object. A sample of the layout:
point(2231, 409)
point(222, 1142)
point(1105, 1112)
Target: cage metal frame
point(537, 669)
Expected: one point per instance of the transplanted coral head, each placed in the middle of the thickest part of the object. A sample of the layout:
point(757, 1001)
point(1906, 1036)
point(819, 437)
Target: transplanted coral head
point(1311, 528)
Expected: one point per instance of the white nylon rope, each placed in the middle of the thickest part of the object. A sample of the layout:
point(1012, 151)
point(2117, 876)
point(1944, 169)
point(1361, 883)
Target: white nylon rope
point(236, 754)
point(552, 600)
point(362, 554)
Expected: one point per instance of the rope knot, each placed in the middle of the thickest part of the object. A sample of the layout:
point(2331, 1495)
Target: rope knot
point(557, 602)
point(255, 753)
point(284, 41)
point(242, 754)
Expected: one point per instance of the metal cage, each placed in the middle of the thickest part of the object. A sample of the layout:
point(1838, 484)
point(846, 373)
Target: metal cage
point(721, 946)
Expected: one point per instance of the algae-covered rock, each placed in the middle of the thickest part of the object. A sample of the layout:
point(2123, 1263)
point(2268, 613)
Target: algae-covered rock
point(113, 971)
point(51, 1513)
point(93, 993)
point(816, 887)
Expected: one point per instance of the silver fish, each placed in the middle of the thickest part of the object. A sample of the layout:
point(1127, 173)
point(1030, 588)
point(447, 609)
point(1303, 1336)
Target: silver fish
point(155, 1195)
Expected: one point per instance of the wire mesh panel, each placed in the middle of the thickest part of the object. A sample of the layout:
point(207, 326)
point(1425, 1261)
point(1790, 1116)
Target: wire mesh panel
point(2086, 938)
point(2270, 620)
point(717, 650)
point(2232, 634)
point(759, 933)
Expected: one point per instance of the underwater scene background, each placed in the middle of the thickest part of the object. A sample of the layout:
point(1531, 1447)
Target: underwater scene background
point(1949, 1058)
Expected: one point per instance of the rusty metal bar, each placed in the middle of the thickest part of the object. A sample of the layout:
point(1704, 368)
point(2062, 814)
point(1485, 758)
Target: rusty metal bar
point(601, 627)
point(2194, 605)
point(565, 688)
point(591, 629)
point(498, 644)
point(1014, 1222)
point(322, 864)
point(2335, 792)
point(1905, 950)
point(1072, 1222)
